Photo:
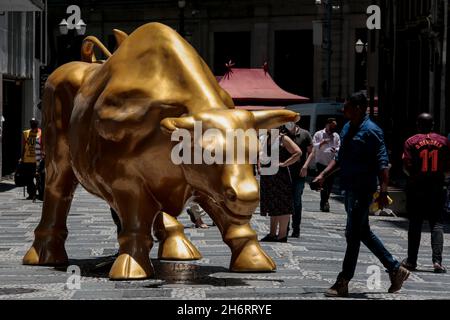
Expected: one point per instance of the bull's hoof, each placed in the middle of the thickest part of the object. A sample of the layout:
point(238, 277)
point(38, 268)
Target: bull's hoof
point(45, 256)
point(174, 245)
point(178, 247)
point(252, 258)
point(127, 268)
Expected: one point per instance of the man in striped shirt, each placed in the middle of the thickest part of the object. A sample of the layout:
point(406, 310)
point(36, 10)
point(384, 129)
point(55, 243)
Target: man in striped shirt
point(31, 155)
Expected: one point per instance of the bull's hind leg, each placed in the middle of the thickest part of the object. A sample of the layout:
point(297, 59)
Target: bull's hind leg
point(137, 210)
point(51, 233)
point(173, 242)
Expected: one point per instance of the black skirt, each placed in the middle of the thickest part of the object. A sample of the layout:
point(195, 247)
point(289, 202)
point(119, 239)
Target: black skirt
point(276, 194)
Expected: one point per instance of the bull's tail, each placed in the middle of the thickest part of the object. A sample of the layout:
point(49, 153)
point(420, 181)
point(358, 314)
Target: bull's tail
point(89, 43)
point(87, 49)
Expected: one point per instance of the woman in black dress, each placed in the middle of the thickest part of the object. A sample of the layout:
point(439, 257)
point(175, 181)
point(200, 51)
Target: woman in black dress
point(276, 190)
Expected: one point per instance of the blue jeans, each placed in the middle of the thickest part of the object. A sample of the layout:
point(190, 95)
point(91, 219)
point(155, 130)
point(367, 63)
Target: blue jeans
point(298, 185)
point(358, 230)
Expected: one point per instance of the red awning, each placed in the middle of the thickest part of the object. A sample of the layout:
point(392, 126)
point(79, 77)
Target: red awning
point(256, 85)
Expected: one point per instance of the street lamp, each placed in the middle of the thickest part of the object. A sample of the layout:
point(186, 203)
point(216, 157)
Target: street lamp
point(63, 27)
point(70, 40)
point(80, 27)
point(181, 6)
point(327, 42)
point(359, 46)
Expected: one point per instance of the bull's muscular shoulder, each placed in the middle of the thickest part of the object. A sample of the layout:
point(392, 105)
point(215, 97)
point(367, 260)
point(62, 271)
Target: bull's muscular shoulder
point(155, 59)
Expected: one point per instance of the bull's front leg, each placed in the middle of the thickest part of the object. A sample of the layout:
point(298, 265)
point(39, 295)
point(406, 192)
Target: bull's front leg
point(136, 209)
point(173, 242)
point(247, 254)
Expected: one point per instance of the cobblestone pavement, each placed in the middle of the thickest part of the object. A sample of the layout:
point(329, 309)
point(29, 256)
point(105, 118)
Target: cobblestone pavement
point(306, 266)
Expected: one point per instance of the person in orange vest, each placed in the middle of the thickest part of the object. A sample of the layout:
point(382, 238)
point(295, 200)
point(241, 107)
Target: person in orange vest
point(31, 155)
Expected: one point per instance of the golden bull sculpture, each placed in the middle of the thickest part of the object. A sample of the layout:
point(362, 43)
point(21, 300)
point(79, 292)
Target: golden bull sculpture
point(107, 125)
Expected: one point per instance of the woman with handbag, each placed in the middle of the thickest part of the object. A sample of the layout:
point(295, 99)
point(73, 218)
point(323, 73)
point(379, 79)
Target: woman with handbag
point(276, 190)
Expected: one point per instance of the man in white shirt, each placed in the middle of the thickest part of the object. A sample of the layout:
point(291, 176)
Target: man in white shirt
point(326, 144)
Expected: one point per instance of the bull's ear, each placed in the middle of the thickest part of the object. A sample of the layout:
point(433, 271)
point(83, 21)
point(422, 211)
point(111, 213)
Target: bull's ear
point(269, 119)
point(120, 36)
point(169, 125)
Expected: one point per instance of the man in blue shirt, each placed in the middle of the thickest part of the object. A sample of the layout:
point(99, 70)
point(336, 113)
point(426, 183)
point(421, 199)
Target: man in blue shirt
point(362, 160)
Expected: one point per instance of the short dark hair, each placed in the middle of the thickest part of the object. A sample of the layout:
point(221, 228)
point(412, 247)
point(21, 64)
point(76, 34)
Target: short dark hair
point(359, 100)
point(34, 123)
point(425, 122)
point(331, 120)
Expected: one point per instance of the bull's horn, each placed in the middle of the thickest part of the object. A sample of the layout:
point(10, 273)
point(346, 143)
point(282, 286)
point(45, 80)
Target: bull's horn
point(120, 36)
point(269, 119)
point(171, 124)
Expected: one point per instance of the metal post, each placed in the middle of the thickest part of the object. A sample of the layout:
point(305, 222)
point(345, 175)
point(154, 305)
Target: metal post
point(370, 83)
point(181, 31)
point(1, 122)
point(443, 116)
point(328, 10)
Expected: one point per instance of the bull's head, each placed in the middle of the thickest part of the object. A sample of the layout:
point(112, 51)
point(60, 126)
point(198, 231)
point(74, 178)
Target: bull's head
point(232, 185)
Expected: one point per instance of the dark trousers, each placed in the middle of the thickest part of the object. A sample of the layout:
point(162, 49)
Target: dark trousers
point(426, 203)
point(298, 185)
point(327, 186)
point(358, 230)
point(29, 170)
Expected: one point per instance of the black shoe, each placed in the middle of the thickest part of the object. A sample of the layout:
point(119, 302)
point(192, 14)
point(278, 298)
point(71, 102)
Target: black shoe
point(439, 268)
point(325, 207)
point(30, 198)
point(282, 239)
point(269, 238)
point(409, 266)
point(295, 234)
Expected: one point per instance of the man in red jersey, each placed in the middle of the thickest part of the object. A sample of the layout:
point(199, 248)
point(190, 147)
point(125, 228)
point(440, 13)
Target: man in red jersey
point(426, 160)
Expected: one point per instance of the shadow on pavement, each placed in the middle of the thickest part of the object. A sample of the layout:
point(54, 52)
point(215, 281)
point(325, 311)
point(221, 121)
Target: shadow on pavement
point(166, 272)
point(368, 296)
point(14, 291)
point(351, 295)
point(6, 186)
point(404, 224)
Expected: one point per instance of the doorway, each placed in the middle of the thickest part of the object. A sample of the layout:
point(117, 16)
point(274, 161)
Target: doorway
point(12, 126)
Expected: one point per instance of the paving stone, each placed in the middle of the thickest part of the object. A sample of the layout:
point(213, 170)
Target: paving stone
point(306, 266)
